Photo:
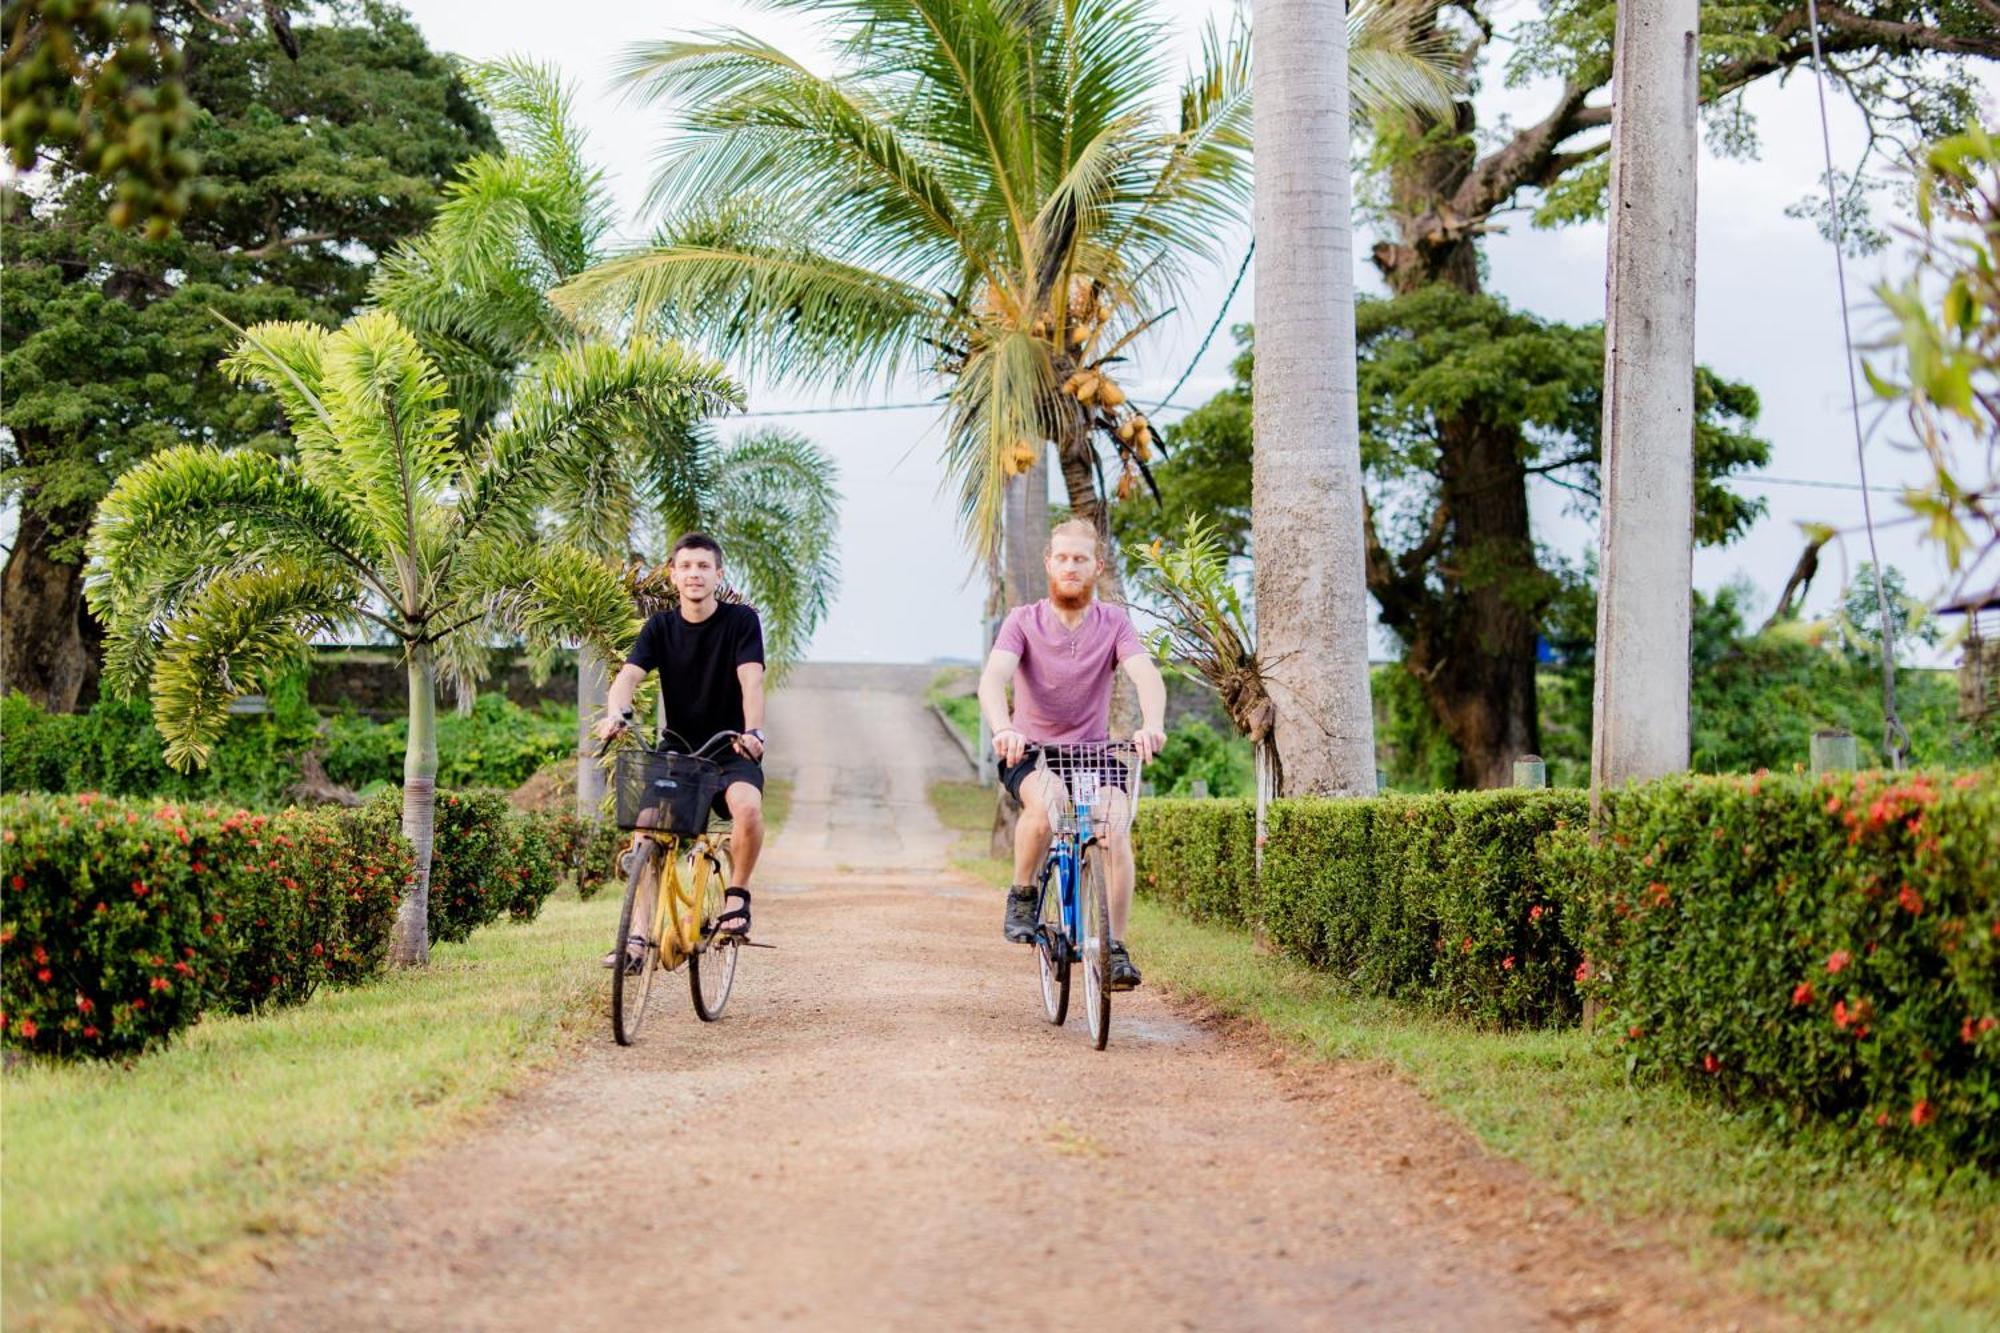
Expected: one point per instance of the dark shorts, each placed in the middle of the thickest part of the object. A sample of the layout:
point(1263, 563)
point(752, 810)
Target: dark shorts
point(1110, 772)
point(736, 768)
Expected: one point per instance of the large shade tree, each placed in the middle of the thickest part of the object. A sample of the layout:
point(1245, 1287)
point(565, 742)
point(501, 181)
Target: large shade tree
point(983, 189)
point(1443, 182)
point(315, 167)
point(214, 569)
point(474, 290)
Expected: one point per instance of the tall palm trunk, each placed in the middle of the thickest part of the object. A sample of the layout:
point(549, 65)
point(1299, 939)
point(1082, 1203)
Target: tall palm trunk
point(1024, 542)
point(411, 946)
point(593, 687)
point(1080, 481)
point(1306, 505)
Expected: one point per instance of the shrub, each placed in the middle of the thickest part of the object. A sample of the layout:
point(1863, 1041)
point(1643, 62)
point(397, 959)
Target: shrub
point(1830, 946)
point(499, 744)
point(1823, 947)
point(121, 921)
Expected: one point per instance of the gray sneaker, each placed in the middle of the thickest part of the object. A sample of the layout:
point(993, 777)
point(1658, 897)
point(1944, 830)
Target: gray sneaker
point(1021, 903)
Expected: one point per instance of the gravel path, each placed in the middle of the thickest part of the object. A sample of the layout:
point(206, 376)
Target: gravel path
point(883, 1133)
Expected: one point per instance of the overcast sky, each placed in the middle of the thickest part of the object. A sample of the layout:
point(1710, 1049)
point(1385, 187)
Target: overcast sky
point(1768, 314)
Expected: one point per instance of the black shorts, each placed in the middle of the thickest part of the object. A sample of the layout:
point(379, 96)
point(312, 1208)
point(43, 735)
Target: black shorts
point(1110, 772)
point(735, 768)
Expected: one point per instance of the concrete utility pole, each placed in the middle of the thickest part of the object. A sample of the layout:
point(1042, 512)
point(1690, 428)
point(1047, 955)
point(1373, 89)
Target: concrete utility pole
point(1641, 724)
point(1305, 500)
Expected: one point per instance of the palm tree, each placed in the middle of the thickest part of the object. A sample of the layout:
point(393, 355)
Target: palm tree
point(213, 569)
point(473, 289)
point(984, 190)
point(1306, 504)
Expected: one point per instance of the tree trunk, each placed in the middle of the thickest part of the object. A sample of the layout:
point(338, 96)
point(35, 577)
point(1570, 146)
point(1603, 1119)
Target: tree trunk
point(1643, 616)
point(593, 687)
point(47, 637)
point(1024, 579)
point(411, 946)
point(1306, 502)
point(1080, 483)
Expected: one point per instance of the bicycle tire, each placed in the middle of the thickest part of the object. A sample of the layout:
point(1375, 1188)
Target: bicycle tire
point(1052, 954)
point(629, 992)
point(712, 965)
point(1096, 912)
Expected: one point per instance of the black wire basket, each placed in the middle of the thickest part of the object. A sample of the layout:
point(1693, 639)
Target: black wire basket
point(666, 793)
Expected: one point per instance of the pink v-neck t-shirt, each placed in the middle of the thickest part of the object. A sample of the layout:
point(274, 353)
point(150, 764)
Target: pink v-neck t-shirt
point(1062, 693)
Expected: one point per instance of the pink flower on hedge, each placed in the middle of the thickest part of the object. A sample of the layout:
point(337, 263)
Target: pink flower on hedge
point(90, 1033)
point(44, 975)
point(1507, 963)
point(1709, 1063)
point(139, 890)
point(1922, 1113)
point(28, 1029)
point(1635, 1032)
point(1535, 912)
point(1882, 1120)
point(1910, 901)
point(1802, 994)
point(161, 983)
point(1841, 1017)
point(102, 908)
point(84, 1005)
point(17, 882)
point(1838, 959)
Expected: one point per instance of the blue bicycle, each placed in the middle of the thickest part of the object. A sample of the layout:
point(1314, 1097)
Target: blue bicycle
point(1092, 791)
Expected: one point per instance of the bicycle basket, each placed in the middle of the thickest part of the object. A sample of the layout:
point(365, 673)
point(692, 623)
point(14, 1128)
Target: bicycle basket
point(1101, 775)
point(667, 793)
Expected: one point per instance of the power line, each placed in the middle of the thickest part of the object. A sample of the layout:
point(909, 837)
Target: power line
point(1819, 485)
point(936, 405)
point(1209, 337)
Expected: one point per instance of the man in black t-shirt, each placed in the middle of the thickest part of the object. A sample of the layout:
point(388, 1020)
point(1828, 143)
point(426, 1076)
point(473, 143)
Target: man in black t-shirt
point(710, 656)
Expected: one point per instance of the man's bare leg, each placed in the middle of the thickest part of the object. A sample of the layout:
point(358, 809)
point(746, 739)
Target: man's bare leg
point(746, 842)
point(1120, 871)
point(1032, 831)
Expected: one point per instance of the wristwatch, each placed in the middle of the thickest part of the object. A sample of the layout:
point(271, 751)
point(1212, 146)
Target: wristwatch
point(758, 732)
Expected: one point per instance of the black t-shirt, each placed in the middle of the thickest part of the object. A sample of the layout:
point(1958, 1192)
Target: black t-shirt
point(697, 665)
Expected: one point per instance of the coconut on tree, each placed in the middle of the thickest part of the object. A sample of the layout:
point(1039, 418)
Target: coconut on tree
point(473, 288)
point(983, 190)
point(214, 570)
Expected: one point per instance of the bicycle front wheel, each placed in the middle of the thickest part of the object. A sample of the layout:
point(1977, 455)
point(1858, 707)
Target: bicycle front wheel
point(1052, 953)
point(1096, 946)
point(630, 990)
point(712, 965)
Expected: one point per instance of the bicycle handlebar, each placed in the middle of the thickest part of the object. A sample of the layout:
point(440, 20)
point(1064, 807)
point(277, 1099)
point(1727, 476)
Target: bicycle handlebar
point(699, 752)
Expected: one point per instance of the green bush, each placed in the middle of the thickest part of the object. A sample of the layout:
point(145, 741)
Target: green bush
point(1828, 948)
point(114, 750)
point(499, 744)
point(1197, 750)
point(487, 859)
point(121, 921)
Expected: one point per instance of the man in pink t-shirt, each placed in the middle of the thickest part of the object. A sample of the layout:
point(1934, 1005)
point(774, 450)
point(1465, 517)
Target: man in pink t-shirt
point(1060, 655)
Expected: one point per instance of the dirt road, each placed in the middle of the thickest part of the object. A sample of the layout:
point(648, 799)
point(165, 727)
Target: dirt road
point(883, 1133)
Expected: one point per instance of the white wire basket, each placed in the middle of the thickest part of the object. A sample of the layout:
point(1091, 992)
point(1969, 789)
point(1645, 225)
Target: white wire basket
point(1100, 775)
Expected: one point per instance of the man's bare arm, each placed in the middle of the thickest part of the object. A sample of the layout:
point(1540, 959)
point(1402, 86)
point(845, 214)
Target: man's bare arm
point(1145, 674)
point(993, 681)
point(751, 676)
point(623, 686)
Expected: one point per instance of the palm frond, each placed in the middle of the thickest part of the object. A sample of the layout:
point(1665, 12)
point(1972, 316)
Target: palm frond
point(241, 631)
point(774, 504)
point(549, 594)
point(998, 402)
point(1391, 68)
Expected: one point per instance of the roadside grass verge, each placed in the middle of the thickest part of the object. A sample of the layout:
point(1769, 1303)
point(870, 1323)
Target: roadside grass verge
point(947, 693)
point(1847, 1240)
point(966, 808)
point(139, 1188)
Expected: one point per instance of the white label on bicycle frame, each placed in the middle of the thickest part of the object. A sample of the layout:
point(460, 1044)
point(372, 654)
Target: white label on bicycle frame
point(1086, 788)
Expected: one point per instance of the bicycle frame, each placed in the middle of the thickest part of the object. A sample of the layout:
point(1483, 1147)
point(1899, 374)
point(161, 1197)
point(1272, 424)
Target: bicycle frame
point(675, 902)
point(1065, 864)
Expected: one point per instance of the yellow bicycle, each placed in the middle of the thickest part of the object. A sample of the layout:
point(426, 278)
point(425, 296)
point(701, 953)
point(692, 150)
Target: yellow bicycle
point(678, 870)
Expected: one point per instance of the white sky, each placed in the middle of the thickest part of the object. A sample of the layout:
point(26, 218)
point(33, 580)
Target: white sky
point(1767, 314)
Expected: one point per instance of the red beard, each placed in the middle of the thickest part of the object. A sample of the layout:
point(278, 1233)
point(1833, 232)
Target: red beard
point(1068, 602)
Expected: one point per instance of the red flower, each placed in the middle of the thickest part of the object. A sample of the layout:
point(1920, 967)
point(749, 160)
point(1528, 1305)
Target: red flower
point(139, 890)
point(1987, 1024)
point(17, 882)
point(1465, 946)
point(1910, 901)
point(1802, 994)
point(1840, 1014)
point(90, 1033)
point(1838, 959)
point(41, 954)
point(1635, 1032)
point(184, 969)
point(319, 950)
point(1922, 1113)
point(1507, 963)
point(84, 1005)
point(1882, 1120)
point(139, 1004)
point(182, 834)
point(1583, 970)
point(44, 975)
point(102, 908)
point(28, 1029)
point(1965, 1033)
point(161, 983)
point(1535, 912)
point(1709, 1063)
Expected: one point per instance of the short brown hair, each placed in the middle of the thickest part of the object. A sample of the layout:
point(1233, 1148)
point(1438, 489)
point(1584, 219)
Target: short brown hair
point(1077, 527)
point(697, 541)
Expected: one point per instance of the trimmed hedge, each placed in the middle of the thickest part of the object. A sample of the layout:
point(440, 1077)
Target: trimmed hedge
point(121, 921)
point(1826, 948)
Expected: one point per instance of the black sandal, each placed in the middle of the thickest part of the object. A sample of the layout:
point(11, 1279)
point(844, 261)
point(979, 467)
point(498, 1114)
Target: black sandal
point(635, 956)
point(723, 924)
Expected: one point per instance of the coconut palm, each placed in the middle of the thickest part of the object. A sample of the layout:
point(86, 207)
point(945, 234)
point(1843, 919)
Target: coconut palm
point(984, 190)
point(473, 288)
point(213, 570)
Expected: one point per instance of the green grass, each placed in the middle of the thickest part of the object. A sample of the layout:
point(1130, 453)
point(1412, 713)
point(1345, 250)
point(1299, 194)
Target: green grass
point(962, 710)
point(141, 1188)
point(1848, 1240)
point(967, 809)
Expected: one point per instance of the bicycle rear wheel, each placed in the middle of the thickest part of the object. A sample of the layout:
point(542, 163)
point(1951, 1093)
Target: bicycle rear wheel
point(631, 990)
point(1096, 946)
point(1052, 953)
point(712, 965)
